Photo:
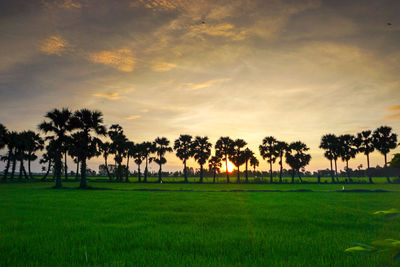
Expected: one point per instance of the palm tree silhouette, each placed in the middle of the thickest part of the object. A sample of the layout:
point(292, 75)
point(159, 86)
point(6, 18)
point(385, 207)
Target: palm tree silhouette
point(33, 143)
point(87, 123)
point(118, 147)
point(161, 147)
point(21, 147)
point(58, 126)
point(139, 156)
point(247, 155)
point(3, 134)
point(9, 141)
point(48, 157)
point(281, 148)
point(236, 157)
point(384, 140)
point(147, 149)
point(364, 143)
point(130, 152)
point(269, 151)
point(254, 163)
point(183, 148)
point(223, 149)
point(214, 164)
point(347, 150)
point(105, 149)
point(201, 151)
point(296, 158)
point(330, 144)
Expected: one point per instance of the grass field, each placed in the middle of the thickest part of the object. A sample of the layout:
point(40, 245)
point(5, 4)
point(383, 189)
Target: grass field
point(40, 226)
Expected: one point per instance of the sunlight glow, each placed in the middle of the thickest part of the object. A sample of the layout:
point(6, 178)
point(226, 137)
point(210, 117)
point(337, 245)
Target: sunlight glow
point(231, 167)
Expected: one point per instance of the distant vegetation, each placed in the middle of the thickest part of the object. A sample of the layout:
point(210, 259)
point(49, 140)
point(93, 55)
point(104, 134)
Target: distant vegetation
point(82, 135)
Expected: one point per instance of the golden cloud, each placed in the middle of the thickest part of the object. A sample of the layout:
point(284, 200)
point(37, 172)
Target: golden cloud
point(393, 117)
point(395, 107)
point(160, 5)
point(197, 86)
point(223, 29)
point(110, 96)
point(53, 45)
point(122, 59)
point(66, 4)
point(163, 66)
point(132, 117)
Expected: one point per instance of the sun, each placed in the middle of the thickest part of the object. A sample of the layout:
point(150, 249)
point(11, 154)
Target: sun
point(231, 167)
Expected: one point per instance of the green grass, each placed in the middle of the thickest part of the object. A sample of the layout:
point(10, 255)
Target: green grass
point(40, 226)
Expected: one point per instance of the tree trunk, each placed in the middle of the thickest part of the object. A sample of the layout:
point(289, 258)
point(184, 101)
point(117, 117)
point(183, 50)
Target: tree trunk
point(185, 171)
point(201, 173)
point(29, 167)
point(226, 169)
point(83, 183)
point(214, 172)
point(387, 176)
point(159, 174)
point(270, 172)
point(7, 165)
point(368, 171)
point(21, 166)
point(127, 170)
point(292, 176)
point(145, 171)
point(139, 174)
point(332, 173)
point(14, 164)
point(247, 175)
point(280, 170)
point(319, 179)
point(107, 170)
point(48, 171)
point(77, 169)
point(298, 173)
point(337, 178)
point(65, 166)
point(57, 170)
point(238, 175)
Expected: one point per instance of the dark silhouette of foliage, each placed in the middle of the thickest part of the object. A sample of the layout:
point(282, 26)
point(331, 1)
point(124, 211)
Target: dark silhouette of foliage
point(183, 150)
point(105, 150)
point(296, 157)
point(348, 150)
point(254, 163)
point(130, 152)
point(118, 147)
point(33, 143)
point(201, 151)
point(247, 156)
point(87, 123)
point(384, 140)
point(58, 125)
point(330, 143)
point(269, 151)
point(236, 156)
point(139, 156)
point(281, 148)
point(161, 147)
point(223, 149)
point(147, 149)
point(214, 164)
point(364, 143)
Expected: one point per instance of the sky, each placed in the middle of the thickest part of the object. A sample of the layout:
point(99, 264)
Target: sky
point(241, 68)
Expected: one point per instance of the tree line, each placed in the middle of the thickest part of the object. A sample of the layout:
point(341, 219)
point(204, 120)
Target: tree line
point(77, 135)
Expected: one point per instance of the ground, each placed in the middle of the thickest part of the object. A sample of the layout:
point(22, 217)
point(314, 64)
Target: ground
point(194, 225)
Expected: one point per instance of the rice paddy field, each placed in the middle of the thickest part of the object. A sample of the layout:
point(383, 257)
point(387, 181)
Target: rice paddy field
point(173, 224)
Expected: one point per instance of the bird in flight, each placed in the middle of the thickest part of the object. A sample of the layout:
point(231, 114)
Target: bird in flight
point(389, 24)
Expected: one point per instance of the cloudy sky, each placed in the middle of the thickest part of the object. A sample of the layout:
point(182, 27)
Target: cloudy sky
point(241, 68)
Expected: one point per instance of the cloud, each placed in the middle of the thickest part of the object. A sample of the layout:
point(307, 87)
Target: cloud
point(163, 66)
point(224, 29)
point(122, 59)
point(66, 4)
point(53, 45)
point(161, 5)
point(110, 96)
point(145, 110)
point(395, 107)
point(197, 86)
point(133, 117)
point(393, 117)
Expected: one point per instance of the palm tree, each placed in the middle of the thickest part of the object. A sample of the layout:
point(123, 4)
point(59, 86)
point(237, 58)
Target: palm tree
point(58, 125)
point(48, 157)
point(13, 141)
point(384, 140)
point(269, 151)
point(118, 147)
point(33, 143)
point(236, 157)
point(105, 149)
point(147, 149)
point(214, 164)
point(87, 123)
point(247, 155)
point(330, 144)
point(254, 163)
point(139, 156)
point(183, 148)
point(161, 147)
point(3, 135)
point(364, 144)
point(223, 149)
point(296, 157)
point(347, 150)
point(130, 152)
point(9, 141)
point(21, 148)
point(281, 148)
point(201, 151)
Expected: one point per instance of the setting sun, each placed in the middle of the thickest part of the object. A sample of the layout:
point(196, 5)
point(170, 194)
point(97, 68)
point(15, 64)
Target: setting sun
point(231, 167)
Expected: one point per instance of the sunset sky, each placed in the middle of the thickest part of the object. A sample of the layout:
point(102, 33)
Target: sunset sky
point(245, 69)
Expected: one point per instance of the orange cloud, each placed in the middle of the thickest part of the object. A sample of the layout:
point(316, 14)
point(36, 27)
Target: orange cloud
point(197, 86)
point(122, 59)
point(53, 45)
point(110, 96)
point(132, 117)
point(163, 66)
point(223, 29)
point(393, 117)
point(395, 107)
